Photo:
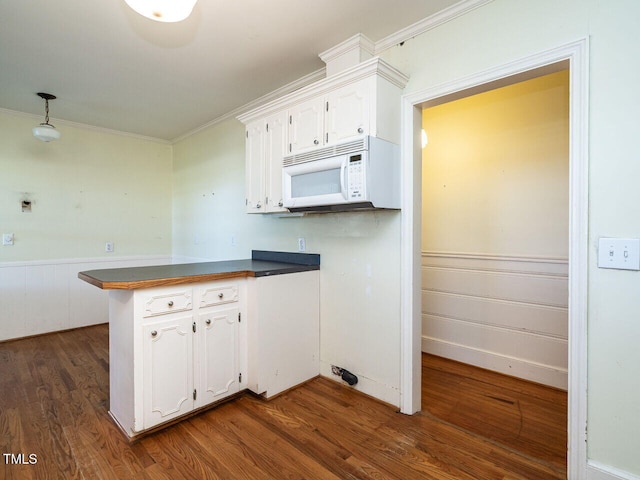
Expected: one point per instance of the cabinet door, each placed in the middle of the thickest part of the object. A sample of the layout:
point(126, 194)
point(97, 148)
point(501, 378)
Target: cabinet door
point(167, 368)
point(217, 355)
point(275, 149)
point(348, 111)
point(306, 125)
point(254, 179)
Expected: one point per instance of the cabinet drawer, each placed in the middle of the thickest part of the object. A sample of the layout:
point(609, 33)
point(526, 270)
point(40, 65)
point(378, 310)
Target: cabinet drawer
point(163, 303)
point(219, 294)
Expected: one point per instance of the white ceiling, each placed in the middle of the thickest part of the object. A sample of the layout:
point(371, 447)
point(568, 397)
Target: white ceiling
point(114, 69)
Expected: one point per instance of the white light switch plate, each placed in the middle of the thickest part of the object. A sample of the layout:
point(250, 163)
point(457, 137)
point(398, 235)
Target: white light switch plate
point(7, 239)
point(620, 253)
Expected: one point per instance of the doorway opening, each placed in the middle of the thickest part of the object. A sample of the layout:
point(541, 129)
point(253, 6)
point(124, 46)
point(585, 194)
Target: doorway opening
point(575, 54)
point(494, 261)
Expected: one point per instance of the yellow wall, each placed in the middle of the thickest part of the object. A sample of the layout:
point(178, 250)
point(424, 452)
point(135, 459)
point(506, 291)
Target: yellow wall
point(86, 189)
point(496, 171)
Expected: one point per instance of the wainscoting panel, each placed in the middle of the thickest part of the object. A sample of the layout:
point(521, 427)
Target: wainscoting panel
point(507, 314)
point(47, 296)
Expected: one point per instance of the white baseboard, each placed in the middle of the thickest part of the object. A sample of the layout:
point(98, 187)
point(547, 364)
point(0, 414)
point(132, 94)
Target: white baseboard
point(600, 471)
point(366, 385)
point(506, 365)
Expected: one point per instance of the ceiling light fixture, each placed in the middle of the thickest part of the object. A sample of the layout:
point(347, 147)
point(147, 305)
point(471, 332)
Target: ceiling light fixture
point(163, 10)
point(45, 131)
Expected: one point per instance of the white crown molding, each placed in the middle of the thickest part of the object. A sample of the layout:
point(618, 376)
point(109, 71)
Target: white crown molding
point(374, 66)
point(357, 42)
point(269, 97)
point(58, 122)
point(262, 104)
point(428, 23)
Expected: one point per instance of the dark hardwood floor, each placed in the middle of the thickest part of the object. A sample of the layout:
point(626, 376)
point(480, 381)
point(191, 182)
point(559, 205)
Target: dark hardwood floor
point(474, 425)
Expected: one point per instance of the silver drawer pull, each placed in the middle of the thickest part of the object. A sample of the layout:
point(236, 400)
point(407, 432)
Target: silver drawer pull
point(220, 295)
point(154, 333)
point(208, 321)
point(316, 142)
point(170, 303)
point(360, 130)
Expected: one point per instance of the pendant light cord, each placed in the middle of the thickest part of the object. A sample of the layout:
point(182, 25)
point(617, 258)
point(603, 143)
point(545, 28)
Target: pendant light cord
point(46, 111)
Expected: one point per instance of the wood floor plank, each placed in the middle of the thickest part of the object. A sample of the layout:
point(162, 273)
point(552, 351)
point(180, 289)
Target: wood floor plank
point(474, 425)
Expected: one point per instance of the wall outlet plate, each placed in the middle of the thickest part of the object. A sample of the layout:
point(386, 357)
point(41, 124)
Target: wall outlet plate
point(302, 244)
point(619, 253)
point(7, 239)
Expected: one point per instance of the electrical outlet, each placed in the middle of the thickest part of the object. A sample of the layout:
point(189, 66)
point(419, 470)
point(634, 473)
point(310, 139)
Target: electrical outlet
point(108, 247)
point(7, 239)
point(302, 244)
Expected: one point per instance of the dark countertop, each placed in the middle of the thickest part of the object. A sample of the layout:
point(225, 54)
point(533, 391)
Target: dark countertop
point(262, 263)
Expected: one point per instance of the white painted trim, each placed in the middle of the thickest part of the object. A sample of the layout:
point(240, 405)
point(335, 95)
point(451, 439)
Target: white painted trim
point(600, 471)
point(269, 97)
point(428, 23)
point(357, 42)
point(368, 68)
point(380, 46)
point(75, 261)
point(58, 122)
point(410, 261)
point(505, 364)
point(549, 266)
point(578, 55)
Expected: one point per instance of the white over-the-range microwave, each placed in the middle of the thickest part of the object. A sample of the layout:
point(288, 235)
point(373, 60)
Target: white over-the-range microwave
point(361, 174)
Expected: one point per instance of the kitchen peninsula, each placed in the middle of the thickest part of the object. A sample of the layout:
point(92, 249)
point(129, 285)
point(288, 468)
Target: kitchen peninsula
point(183, 337)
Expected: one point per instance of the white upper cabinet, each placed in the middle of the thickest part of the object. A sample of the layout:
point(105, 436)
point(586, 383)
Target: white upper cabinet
point(265, 146)
point(347, 112)
point(306, 125)
point(254, 174)
point(338, 116)
point(358, 101)
point(275, 147)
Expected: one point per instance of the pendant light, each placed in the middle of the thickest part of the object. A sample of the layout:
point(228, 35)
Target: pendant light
point(163, 10)
point(45, 131)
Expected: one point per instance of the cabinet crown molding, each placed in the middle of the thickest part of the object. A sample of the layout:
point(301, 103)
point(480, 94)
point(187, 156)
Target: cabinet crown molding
point(357, 42)
point(374, 66)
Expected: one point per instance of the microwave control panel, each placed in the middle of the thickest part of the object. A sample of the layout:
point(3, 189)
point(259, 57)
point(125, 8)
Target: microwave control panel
point(356, 177)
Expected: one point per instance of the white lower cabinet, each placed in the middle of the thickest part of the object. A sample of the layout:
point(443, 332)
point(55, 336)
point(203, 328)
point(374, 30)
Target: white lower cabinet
point(218, 369)
point(173, 350)
point(176, 349)
point(167, 369)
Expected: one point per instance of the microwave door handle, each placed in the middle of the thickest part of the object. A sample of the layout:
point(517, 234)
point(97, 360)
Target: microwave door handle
point(343, 172)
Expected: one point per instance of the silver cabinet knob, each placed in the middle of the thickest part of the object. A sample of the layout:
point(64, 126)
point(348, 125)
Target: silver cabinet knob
point(154, 333)
point(360, 130)
point(170, 303)
point(316, 142)
point(208, 321)
point(258, 205)
point(280, 203)
point(220, 295)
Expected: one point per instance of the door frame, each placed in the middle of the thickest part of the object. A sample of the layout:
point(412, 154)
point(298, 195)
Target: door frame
point(577, 55)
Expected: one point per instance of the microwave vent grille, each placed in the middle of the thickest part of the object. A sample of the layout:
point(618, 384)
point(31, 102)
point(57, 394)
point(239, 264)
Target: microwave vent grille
point(340, 149)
